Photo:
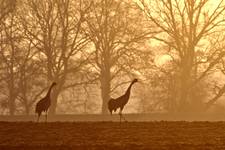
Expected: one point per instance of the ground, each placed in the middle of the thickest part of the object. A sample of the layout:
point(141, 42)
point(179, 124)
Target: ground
point(112, 135)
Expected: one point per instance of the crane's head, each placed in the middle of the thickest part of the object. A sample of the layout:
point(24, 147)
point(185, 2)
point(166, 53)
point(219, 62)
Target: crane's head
point(54, 84)
point(135, 80)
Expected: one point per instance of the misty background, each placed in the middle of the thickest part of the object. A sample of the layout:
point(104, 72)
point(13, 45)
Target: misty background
point(93, 49)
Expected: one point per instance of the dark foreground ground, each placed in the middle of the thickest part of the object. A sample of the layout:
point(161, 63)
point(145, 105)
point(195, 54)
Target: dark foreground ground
point(111, 135)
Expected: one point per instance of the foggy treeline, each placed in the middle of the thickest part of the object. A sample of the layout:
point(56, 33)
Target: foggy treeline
point(94, 48)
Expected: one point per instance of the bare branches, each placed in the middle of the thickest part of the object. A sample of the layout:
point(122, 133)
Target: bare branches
point(185, 26)
point(6, 7)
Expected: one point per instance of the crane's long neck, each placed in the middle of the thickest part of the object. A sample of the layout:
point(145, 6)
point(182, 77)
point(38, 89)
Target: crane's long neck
point(49, 91)
point(128, 90)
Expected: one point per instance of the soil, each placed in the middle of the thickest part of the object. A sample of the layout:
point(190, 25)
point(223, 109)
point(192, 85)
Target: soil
point(112, 135)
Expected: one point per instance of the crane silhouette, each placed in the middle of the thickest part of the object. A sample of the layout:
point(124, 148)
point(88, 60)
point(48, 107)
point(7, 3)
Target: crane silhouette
point(121, 101)
point(44, 103)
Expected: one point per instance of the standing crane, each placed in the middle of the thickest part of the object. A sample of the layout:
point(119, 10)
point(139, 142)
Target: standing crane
point(121, 101)
point(44, 103)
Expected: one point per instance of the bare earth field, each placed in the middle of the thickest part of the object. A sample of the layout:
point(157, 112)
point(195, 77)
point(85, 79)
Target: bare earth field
point(112, 135)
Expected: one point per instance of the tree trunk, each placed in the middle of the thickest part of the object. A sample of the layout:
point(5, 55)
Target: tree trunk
point(105, 90)
point(185, 85)
point(12, 106)
point(12, 98)
point(55, 94)
point(54, 101)
point(27, 109)
point(183, 96)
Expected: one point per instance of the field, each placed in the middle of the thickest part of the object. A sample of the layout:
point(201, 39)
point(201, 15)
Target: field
point(112, 135)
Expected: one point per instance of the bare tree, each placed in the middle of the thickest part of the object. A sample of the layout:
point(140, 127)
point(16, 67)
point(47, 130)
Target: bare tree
point(56, 27)
point(186, 27)
point(10, 56)
point(29, 77)
point(114, 27)
point(6, 8)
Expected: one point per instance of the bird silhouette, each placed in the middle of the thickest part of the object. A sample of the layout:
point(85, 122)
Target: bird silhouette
point(121, 101)
point(44, 103)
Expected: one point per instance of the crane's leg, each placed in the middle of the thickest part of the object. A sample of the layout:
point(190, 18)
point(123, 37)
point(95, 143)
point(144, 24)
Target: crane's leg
point(121, 115)
point(46, 116)
point(38, 116)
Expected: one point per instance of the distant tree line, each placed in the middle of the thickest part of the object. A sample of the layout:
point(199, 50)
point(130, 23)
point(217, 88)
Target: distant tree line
point(93, 48)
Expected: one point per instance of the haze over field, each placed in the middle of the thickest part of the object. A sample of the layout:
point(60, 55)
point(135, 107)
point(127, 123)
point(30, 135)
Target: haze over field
point(94, 50)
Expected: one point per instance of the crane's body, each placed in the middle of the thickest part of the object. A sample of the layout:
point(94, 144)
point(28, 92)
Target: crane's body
point(121, 101)
point(44, 104)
